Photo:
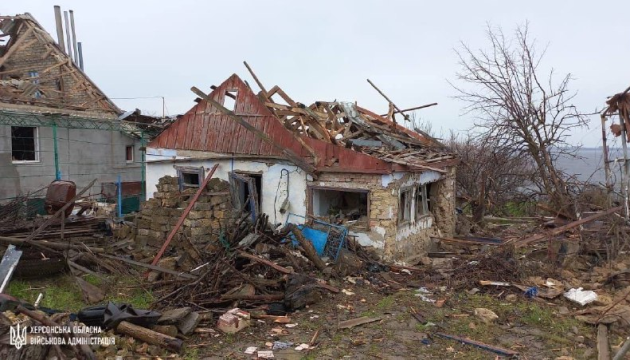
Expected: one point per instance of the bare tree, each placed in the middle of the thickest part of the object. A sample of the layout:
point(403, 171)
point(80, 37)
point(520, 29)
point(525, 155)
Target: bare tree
point(490, 176)
point(520, 109)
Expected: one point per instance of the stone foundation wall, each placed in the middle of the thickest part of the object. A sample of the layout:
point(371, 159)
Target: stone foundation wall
point(204, 223)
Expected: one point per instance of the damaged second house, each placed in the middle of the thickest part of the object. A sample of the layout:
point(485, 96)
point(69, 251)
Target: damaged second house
point(335, 162)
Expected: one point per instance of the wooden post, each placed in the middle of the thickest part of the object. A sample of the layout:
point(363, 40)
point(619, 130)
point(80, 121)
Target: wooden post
point(150, 336)
point(192, 202)
point(603, 348)
point(308, 247)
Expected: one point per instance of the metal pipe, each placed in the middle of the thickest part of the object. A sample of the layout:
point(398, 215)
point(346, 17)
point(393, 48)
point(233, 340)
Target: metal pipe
point(79, 44)
point(59, 26)
point(74, 38)
point(65, 16)
point(56, 149)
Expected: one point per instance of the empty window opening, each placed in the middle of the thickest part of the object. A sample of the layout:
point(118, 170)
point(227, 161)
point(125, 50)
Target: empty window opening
point(129, 154)
point(404, 206)
point(246, 192)
point(343, 207)
point(34, 76)
point(189, 177)
point(24, 144)
point(229, 101)
point(190, 180)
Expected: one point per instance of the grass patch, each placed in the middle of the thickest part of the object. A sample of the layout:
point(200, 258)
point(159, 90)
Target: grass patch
point(385, 303)
point(62, 292)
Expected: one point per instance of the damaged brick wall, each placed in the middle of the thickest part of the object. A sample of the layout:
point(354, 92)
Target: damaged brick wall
point(399, 241)
point(204, 223)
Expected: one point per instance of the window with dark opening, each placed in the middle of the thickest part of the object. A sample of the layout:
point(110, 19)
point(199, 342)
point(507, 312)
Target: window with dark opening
point(229, 101)
point(189, 177)
point(246, 192)
point(404, 205)
point(129, 154)
point(24, 143)
point(346, 207)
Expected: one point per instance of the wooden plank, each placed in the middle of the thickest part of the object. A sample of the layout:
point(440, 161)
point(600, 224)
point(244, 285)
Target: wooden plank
point(347, 324)
point(264, 261)
point(603, 346)
point(152, 267)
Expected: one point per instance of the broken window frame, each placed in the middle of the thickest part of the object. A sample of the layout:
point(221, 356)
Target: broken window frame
point(36, 158)
point(422, 202)
point(254, 199)
point(310, 199)
point(189, 170)
point(406, 198)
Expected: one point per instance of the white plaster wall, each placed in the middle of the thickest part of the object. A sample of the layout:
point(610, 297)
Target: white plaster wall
point(274, 182)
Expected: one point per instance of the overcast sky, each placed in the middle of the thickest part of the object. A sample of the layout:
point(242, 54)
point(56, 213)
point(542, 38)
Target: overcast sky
point(325, 50)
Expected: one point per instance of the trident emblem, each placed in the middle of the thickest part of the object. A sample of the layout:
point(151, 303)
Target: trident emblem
point(17, 336)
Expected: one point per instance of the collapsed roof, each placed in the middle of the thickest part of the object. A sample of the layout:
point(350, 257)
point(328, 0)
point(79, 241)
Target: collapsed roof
point(348, 125)
point(323, 137)
point(35, 71)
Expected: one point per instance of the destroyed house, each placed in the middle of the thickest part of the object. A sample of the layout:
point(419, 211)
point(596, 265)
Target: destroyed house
point(55, 123)
point(336, 162)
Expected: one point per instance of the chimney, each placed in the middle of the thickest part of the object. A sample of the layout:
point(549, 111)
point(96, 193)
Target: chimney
point(65, 15)
point(74, 38)
point(80, 56)
point(60, 41)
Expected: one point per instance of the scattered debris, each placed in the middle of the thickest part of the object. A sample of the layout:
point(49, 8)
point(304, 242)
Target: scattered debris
point(348, 324)
point(581, 296)
point(486, 315)
point(494, 349)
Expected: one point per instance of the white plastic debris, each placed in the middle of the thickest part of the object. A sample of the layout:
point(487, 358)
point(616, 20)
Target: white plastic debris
point(265, 354)
point(291, 325)
point(251, 350)
point(421, 294)
point(405, 271)
point(580, 296)
point(302, 347)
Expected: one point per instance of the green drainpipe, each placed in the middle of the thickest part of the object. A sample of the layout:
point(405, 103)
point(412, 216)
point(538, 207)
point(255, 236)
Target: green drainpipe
point(57, 171)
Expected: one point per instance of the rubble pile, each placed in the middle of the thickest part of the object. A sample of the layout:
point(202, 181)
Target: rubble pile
point(205, 221)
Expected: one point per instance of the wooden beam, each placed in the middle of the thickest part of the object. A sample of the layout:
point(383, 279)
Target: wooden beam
point(603, 346)
point(557, 231)
point(410, 109)
point(14, 47)
point(152, 267)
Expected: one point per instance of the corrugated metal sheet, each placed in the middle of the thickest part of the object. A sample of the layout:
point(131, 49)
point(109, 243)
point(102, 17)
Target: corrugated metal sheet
point(203, 128)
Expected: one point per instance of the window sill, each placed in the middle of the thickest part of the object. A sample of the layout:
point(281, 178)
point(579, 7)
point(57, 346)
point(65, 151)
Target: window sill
point(26, 162)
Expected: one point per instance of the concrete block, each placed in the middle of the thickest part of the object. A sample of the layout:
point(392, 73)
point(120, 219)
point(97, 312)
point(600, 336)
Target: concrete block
point(189, 323)
point(173, 316)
